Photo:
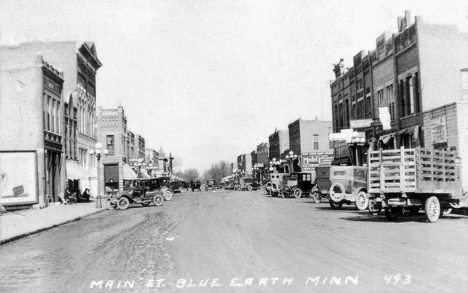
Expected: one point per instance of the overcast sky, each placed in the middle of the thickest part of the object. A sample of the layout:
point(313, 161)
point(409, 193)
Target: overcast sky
point(209, 80)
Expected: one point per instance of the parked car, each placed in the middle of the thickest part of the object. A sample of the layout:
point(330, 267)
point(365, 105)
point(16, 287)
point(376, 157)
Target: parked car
point(195, 185)
point(210, 184)
point(177, 186)
point(348, 186)
point(138, 192)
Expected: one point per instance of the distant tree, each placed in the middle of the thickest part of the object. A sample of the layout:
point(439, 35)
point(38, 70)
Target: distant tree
point(218, 171)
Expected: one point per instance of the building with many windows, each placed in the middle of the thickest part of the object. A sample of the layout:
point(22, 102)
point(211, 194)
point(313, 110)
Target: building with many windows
point(279, 143)
point(79, 63)
point(113, 135)
point(414, 71)
point(32, 129)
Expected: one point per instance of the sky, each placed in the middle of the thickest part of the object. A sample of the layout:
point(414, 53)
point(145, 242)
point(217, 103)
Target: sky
point(210, 80)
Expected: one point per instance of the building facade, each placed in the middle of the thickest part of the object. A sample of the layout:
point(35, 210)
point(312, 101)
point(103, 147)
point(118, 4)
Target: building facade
point(412, 72)
point(32, 128)
point(79, 64)
point(113, 135)
point(278, 142)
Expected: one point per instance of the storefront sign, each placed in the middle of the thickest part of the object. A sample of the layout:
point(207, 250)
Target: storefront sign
point(311, 160)
point(439, 130)
point(361, 123)
point(345, 136)
point(18, 178)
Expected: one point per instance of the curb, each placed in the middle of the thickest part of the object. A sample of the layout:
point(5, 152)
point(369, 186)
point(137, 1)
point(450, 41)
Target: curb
point(7, 240)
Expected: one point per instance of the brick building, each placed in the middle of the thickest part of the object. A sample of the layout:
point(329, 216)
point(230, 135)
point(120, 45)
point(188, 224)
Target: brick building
point(412, 72)
point(113, 135)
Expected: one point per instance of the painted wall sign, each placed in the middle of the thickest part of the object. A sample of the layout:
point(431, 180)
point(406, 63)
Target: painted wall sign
point(439, 130)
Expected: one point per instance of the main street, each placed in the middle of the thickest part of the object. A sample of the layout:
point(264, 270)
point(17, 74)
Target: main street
point(232, 241)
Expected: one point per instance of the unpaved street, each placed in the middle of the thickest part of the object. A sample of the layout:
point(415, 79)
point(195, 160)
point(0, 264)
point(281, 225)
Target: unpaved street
point(231, 241)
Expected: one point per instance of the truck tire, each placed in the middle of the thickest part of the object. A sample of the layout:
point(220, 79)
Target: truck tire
point(374, 207)
point(297, 193)
point(432, 209)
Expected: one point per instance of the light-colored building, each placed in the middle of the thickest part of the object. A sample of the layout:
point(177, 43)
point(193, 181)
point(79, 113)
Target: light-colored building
point(79, 64)
point(32, 130)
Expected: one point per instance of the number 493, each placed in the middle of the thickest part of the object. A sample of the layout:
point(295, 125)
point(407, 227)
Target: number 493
point(397, 279)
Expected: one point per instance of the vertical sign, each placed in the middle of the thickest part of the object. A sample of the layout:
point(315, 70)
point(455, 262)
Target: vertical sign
point(439, 130)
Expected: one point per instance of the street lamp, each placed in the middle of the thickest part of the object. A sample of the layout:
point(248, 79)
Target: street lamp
point(98, 152)
point(291, 157)
point(170, 162)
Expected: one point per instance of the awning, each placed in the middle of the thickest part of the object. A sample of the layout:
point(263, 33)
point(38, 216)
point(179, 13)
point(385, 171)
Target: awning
point(75, 171)
point(144, 174)
point(128, 173)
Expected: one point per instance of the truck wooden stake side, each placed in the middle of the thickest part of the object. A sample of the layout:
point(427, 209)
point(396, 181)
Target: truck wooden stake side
point(406, 180)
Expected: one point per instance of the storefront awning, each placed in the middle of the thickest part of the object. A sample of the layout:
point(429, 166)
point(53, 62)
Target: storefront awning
point(75, 171)
point(144, 174)
point(128, 173)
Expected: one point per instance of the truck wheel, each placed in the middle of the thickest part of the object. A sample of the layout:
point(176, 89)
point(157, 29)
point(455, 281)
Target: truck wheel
point(361, 201)
point(158, 200)
point(297, 193)
point(123, 203)
point(432, 209)
point(374, 207)
point(336, 205)
point(337, 192)
point(393, 213)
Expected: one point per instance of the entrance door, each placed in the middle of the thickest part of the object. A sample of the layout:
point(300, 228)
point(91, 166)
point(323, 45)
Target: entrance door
point(111, 176)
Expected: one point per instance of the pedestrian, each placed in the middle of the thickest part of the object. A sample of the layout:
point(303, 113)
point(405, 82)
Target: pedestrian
point(85, 196)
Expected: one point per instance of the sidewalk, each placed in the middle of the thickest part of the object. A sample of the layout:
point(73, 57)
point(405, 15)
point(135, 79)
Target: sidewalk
point(26, 222)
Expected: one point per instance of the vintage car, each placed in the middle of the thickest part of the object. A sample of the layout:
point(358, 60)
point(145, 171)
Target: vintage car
point(250, 184)
point(304, 184)
point(276, 183)
point(322, 183)
point(177, 186)
point(159, 184)
point(195, 185)
point(210, 184)
point(139, 192)
point(348, 186)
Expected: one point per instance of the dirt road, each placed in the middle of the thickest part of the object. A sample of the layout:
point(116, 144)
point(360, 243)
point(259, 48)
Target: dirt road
point(231, 241)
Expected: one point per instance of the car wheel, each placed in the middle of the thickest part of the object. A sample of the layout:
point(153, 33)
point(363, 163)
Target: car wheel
point(123, 203)
point(362, 201)
point(337, 192)
point(167, 195)
point(250, 187)
point(297, 193)
point(158, 200)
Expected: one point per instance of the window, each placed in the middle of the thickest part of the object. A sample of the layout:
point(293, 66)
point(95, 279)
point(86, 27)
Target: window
point(391, 102)
point(380, 98)
point(409, 86)
point(110, 144)
point(316, 141)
